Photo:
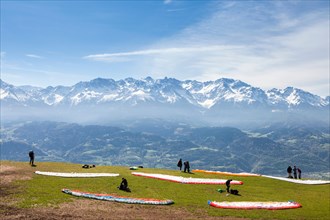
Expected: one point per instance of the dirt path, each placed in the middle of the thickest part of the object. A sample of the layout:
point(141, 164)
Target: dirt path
point(80, 208)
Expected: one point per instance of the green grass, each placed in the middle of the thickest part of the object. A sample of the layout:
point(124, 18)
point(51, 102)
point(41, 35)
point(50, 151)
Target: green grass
point(46, 190)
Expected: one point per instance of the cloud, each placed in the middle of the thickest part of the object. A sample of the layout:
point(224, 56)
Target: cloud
point(34, 56)
point(166, 2)
point(2, 54)
point(113, 57)
point(266, 48)
point(267, 45)
point(228, 4)
point(175, 10)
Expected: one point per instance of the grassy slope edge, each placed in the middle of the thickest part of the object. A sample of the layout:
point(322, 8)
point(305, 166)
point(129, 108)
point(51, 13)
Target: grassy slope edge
point(43, 191)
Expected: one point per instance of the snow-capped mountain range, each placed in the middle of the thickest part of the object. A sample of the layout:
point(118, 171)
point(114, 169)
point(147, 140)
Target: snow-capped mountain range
point(166, 91)
point(221, 102)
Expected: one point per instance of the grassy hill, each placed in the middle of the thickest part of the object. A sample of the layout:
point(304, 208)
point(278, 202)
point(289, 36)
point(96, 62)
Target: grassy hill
point(45, 191)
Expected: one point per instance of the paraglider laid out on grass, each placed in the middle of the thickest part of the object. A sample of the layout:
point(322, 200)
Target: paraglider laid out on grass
point(115, 198)
point(309, 182)
point(180, 179)
point(255, 205)
point(300, 181)
point(77, 174)
point(226, 173)
point(270, 205)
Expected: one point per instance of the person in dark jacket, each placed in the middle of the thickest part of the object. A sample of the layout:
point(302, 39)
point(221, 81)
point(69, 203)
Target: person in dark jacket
point(295, 172)
point(228, 184)
point(180, 164)
point(299, 172)
point(123, 184)
point(185, 166)
point(31, 155)
point(188, 166)
point(289, 170)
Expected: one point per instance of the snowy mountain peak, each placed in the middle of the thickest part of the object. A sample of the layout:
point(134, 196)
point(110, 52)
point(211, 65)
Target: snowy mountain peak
point(205, 95)
point(294, 97)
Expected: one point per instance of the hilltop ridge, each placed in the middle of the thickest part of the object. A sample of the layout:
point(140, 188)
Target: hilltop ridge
point(37, 196)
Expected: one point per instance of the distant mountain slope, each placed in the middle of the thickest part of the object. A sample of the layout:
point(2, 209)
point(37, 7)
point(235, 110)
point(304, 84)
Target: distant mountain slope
point(212, 148)
point(223, 101)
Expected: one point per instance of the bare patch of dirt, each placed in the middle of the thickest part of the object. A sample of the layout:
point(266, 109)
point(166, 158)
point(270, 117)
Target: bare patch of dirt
point(82, 208)
point(9, 174)
point(93, 209)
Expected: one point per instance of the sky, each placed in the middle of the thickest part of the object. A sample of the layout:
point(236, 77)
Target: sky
point(267, 44)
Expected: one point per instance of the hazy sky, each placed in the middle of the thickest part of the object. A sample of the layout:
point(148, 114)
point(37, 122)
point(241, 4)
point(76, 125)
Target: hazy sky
point(264, 43)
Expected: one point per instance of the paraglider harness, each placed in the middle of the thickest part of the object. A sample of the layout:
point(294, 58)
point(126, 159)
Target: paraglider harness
point(234, 191)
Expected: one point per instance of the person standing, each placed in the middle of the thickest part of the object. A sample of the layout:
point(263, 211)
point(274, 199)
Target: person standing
point(299, 172)
point(228, 184)
point(188, 166)
point(295, 172)
point(289, 170)
point(185, 166)
point(180, 164)
point(31, 155)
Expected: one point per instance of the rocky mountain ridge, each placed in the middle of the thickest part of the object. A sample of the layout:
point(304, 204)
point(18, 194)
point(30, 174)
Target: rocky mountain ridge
point(223, 102)
point(167, 90)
